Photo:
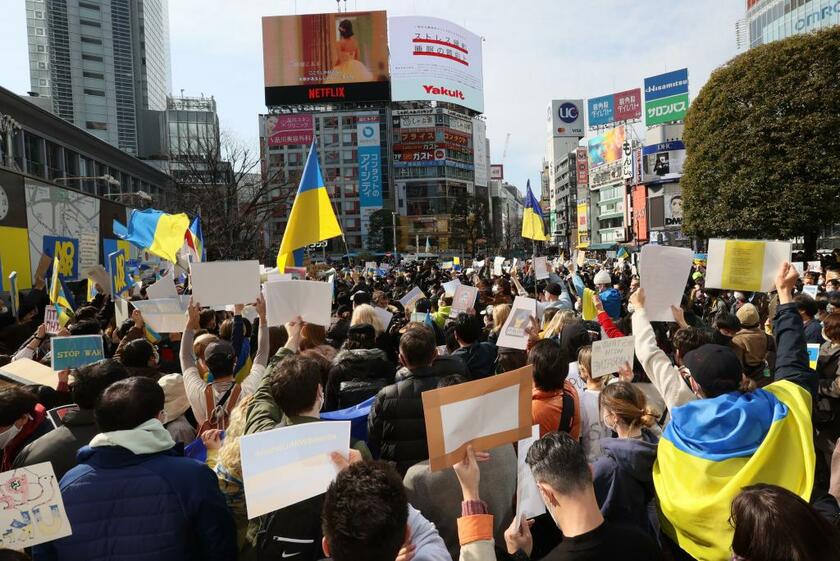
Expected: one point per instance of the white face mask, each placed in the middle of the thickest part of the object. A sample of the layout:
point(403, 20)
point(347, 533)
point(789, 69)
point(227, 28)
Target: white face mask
point(9, 434)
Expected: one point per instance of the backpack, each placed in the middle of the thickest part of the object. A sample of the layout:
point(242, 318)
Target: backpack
point(219, 414)
point(567, 416)
point(293, 531)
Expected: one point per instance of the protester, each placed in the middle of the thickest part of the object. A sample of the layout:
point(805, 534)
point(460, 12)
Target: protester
point(22, 421)
point(479, 357)
point(592, 428)
point(755, 349)
point(358, 371)
point(807, 308)
point(555, 405)
point(175, 408)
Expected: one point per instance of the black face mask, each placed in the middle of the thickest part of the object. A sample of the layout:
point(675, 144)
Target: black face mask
point(720, 339)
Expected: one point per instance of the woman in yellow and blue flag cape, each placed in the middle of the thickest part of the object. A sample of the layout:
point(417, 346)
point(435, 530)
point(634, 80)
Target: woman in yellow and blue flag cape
point(727, 439)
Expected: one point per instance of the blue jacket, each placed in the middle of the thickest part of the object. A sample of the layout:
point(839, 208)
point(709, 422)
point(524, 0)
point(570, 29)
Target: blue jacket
point(146, 507)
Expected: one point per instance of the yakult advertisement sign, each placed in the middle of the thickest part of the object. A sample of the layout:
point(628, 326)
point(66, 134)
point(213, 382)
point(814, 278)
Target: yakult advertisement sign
point(565, 118)
point(435, 60)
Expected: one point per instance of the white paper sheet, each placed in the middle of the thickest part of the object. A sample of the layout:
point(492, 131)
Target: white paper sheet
point(34, 512)
point(488, 414)
point(298, 454)
point(497, 265)
point(164, 287)
point(774, 254)
point(166, 315)
point(285, 300)
point(216, 283)
point(120, 311)
point(101, 277)
point(410, 299)
point(384, 316)
point(540, 267)
point(609, 354)
point(449, 287)
point(811, 290)
point(463, 299)
point(528, 500)
point(664, 272)
point(815, 266)
point(513, 333)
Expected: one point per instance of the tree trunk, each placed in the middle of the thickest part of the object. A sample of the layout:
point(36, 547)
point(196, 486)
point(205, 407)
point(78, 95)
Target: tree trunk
point(810, 245)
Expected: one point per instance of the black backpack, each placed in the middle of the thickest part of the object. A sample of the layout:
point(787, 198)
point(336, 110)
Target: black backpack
point(294, 531)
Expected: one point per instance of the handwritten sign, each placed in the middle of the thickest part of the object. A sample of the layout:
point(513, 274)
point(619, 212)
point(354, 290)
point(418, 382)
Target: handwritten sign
point(33, 511)
point(540, 267)
point(449, 287)
point(76, 351)
point(410, 300)
point(811, 290)
point(610, 354)
point(497, 266)
point(51, 319)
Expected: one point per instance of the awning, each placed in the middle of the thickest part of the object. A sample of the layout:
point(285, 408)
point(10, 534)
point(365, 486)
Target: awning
point(602, 246)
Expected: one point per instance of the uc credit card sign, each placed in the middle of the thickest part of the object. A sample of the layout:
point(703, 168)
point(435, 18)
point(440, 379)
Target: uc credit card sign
point(76, 351)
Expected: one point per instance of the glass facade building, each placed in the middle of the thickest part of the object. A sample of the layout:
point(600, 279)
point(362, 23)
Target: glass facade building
point(100, 62)
point(770, 20)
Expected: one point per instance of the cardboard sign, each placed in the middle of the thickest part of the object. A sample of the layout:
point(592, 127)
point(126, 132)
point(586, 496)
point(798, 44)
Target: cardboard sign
point(497, 266)
point(164, 315)
point(449, 287)
point(811, 290)
point(528, 500)
point(217, 283)
point(26, 371)
point(513, 333)
point(610, 354)
point(813, 355)
point(746, 265)
point(410, 300)
point(51, 319)
point(664, 272)
point(285, 300)
point(463, 300)
point(164, 287)
point(299, 453)
point(33, 511)
point(540, 267)
point(486, 413)
point(75, 351)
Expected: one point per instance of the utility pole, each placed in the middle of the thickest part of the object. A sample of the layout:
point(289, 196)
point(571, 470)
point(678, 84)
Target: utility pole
point(394, 230)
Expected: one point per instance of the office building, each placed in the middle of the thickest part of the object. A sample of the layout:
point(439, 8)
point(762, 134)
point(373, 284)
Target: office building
point(769, 20)
point(506, 209)
point(565, 128)
point(101, 63)
point(565, 201)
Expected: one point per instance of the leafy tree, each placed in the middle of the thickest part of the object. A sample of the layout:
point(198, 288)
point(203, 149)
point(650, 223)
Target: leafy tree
point(469, 222)
point(762, 143)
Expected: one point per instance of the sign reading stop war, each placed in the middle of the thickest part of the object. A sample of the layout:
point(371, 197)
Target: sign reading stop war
point(116, 267)
point(76, 351)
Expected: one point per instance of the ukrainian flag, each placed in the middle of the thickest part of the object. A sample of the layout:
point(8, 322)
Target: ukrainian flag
point(195, 241)
point(58, 296)
point(532, 220)
point(712, 448)
point(91, 290)
point(155, 231)
point(312, 218)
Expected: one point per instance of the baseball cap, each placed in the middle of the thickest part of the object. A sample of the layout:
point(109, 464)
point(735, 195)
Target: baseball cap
point(715, 368)
point(748, 315)
point(222, 349)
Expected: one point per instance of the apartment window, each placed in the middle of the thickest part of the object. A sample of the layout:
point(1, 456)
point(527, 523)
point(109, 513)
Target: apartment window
point(39, 31)
point(95, 75)
point(41, 49)
point(42, 82)
point(39, 14)
point(96, 126)
point(42, 65)
point(90, 23)
point(95, 92)
point(91, 40)
point(93, 58)
point(88, 6)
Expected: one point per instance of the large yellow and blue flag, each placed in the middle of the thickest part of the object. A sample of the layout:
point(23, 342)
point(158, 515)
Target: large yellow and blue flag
point(155, 231)
point(532, 220)
point(312, 218)
point(58, 296)
point(712, 448)
point(195, 241)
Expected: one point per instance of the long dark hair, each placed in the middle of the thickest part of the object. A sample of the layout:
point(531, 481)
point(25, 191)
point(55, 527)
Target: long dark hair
point(773, 524)
point(345, 28)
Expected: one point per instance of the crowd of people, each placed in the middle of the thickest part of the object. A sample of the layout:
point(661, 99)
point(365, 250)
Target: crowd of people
point(718, 442)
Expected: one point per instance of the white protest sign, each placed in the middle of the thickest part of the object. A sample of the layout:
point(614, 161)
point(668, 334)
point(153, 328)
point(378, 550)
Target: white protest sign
point(370, 266)
point(799, 266)
point(164, 287)
point(33, 511)
point(610, 354)
point(286, 300)
point(383, 315)
point(120, 311)
point(298, 453)
point(815, 266)
point(165, 315)
point(664, 272)
point(410, 300)
point(528, 500)
point(26, 371)
point(449, 287)
point(747, 265)
point(216, 283)
point(100, 276)
point(811, 290)
point(478, 264)
point(51, 319)
point(540, 267)
point(277, 277)
point(88, 249)
point(463, 300)
point(513, 333)
point(497, 265)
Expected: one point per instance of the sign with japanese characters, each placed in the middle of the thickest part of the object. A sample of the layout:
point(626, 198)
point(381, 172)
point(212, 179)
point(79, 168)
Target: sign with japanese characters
point(666, 97)
point(286, 130)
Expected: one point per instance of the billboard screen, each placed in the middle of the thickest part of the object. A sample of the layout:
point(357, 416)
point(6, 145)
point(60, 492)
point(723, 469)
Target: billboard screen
point(325, 57)
point(600, 111)
point(582, 166)
point(606, 148)
point(627, 105)
point(285, 130)
point(663, 162)
point(435, 60)
point(666, 97)
point(497, 172)
point(565, 118)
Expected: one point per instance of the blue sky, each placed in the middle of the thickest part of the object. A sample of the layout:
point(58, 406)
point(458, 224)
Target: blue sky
point(534, 50)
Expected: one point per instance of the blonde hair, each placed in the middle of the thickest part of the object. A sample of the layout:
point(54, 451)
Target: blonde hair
point(500, 315)
point(628, 404)
point(365, 313)
point(229, 452)
point(584, 359)
point(558, 322)
point(380, 298)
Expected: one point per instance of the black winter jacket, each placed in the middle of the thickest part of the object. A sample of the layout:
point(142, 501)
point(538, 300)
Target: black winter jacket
point(355, 376)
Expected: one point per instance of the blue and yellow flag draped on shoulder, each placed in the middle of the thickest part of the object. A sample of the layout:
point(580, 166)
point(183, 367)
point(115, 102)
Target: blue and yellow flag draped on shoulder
point(532, 220)
point(712, 448)
point(155, 231)
point(312, 218)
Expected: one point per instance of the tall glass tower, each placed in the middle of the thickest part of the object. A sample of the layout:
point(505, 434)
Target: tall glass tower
point(101, 62)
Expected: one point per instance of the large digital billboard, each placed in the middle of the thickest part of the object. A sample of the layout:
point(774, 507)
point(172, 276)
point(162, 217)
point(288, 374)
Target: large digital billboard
point(565, 118)
point(615, 108)
point(666, 97)
point(435, 60)
point(606, 148)
point(325, 57)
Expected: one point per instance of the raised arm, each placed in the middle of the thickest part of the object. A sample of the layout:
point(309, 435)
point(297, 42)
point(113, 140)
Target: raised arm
point(792, 350)
point(605, 320)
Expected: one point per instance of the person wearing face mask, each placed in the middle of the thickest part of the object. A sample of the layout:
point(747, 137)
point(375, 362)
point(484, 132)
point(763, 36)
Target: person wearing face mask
point(22, 420)
point(623, 475)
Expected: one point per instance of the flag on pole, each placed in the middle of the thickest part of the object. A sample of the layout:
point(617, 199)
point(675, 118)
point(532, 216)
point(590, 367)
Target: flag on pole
point(312, 218)
point(622, 253)
point(532, 220)
point(195, 241)
point(58, 296)
point(155, 231)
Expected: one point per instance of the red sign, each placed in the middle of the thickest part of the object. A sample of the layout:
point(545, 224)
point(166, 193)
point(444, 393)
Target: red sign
point(415, 156)
point(454, 138)
point(283, 130)
point(418, 135)
point(627, 106)
point(582, 166)
point(640, 218)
